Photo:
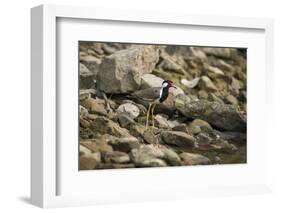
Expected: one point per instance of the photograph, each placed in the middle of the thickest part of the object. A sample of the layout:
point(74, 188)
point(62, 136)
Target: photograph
point(161, 105)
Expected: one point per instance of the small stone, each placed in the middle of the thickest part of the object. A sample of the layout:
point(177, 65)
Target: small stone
point(96, 106)
point(95, 146)
point(194, 159)
point(86, 77)
point(215, 70)
point(116, 157)
point(87, 163)
point(197, 125)
point(231, 100)
point(206, 84)
point(178, 138)
point(125, 144)
point(129, 109)
point(125, 121)
point(171, 156)
point(161, 122)
point(148, 156)
point(190, 84)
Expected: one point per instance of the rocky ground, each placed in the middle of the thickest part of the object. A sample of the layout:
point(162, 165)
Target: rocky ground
point(202, 122)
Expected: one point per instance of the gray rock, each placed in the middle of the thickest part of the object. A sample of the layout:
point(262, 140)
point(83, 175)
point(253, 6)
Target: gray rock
point(125, 121)
point(87, 163)
point(171, 156)
point(94, 146)
point(124, 144)
point(148, 156)
point(178, 138)
point(222, 116)
point(150, 80)
point(235, 137)
point(129, 109)
point(190, 84)
point(96, 106)
point(86, 79)
point(116, 157)
point(162, 122)
point(218, 52)
point(103, 125)
point(231, 100)
point(205, 83)
point(194, 159)
point(92, 63)
point(197, 125)
point(121, 72)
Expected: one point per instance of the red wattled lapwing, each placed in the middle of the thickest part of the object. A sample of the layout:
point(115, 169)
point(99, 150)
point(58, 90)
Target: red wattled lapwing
point(154, 95)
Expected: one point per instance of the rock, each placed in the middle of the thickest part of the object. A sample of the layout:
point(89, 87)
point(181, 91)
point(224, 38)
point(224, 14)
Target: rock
point(190, 84)
point(137, 130)
point(206, 142)
point(96, 146)
point(121, 72)
point(84, 151)
point(92, 63)
point(116, 157)
point(235, 137)
point(83, 112)
point(236, 84)
point(205, 83)
point(150, 80)
point(168, 64)
point(86, 93)
point(103, 125)
point(86, 163)
point(125, 121)
point(218, 52)
point(86, 77)
point(162, 122)
point(230, 99)
point(96, 106)
point(171, 156)
point(149, 137)
point(178, 138)
point(194, 159)
point(214, 70)
point(197, 125)
point(129, 109)
point(202, 94)
point(148, 156)
point(222, 116)
point(125, 144)
point(84, 123)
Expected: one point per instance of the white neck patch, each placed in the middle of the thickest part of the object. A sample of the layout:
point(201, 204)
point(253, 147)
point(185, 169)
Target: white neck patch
point(165, 84)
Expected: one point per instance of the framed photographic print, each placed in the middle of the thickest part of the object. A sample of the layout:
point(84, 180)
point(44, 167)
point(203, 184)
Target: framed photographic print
point(136, 106)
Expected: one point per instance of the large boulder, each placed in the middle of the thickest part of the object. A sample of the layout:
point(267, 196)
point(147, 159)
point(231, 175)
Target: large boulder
point(121, 72)
point(222, 116)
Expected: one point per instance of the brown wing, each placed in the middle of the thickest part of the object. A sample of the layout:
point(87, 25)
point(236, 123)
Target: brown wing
point(149, 94)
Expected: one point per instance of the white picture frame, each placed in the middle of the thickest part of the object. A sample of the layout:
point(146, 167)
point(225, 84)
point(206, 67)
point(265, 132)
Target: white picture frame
point(45, 171)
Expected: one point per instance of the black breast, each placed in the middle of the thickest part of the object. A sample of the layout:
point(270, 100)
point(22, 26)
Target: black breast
point(164, 95)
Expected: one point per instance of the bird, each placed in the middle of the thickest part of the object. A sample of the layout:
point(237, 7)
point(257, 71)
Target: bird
point(154, 96)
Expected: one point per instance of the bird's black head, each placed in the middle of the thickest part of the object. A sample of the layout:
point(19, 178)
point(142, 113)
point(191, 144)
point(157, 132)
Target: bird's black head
point(168, 84)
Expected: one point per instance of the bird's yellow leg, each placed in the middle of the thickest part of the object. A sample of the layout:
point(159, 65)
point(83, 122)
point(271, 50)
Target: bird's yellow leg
point(147, 116)
point(152, 114)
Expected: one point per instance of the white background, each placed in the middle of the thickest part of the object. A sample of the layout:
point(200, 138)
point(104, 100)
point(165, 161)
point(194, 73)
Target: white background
point(15, 106)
